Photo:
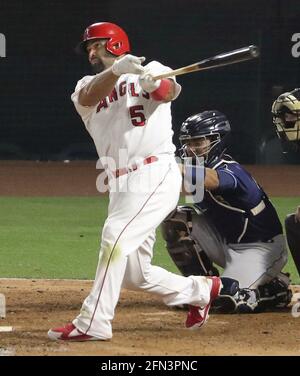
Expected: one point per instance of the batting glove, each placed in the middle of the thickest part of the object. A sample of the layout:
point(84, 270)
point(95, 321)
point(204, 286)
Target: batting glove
point(128, 64)
point(147, 82)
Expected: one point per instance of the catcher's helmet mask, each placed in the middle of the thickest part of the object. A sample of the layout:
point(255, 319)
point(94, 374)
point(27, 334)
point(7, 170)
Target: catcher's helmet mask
point(288, 127)
point(212, 125)
point(188, 150)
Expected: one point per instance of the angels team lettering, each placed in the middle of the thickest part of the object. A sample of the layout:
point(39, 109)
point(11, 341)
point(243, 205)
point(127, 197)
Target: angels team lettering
point(136, 112)
point(122, 89)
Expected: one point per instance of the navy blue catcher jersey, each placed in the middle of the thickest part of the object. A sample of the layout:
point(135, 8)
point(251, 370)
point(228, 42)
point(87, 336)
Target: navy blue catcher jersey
point(239, 208)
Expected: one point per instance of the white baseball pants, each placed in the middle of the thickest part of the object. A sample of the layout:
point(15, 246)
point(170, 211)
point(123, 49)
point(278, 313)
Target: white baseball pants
point(143, 199)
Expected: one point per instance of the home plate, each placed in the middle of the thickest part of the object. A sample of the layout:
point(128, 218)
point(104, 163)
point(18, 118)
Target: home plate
point(5, 329)
point(7, 352)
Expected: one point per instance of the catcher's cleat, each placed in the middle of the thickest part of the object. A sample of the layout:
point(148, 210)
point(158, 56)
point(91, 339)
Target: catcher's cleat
point(198, 316)
point(69, 332)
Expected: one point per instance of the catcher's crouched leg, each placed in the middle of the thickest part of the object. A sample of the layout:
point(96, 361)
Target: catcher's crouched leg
point(185, 252)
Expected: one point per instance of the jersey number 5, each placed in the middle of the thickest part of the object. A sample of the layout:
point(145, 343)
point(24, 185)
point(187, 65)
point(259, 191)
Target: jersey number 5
point(137, 116)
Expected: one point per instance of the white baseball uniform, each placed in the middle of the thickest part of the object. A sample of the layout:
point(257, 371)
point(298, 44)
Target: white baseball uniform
point(129, 119)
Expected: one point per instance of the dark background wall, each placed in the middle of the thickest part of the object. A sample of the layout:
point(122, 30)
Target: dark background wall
point(37, 118)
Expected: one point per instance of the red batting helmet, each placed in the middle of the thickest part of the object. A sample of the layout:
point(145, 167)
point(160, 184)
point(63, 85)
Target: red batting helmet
point(117, 43)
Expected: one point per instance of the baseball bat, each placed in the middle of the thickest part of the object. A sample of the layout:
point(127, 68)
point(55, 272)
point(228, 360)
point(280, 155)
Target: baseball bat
point(220, 60)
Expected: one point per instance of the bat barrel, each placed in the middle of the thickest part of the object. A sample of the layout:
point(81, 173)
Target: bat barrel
point(226, 58)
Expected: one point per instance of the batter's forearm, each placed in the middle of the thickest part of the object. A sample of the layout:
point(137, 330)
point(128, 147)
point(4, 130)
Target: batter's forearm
point(100, 87)
point(171, 93)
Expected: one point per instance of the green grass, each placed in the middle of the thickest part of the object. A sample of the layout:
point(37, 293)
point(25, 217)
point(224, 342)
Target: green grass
point(50, 237)
point(59, 237)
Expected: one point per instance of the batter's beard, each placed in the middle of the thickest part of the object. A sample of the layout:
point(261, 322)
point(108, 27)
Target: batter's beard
point(98, 67)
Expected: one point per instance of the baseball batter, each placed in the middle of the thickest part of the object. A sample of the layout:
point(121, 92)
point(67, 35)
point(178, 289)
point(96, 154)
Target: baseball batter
point(235, 226)
point(128, 113)
point(286, 118)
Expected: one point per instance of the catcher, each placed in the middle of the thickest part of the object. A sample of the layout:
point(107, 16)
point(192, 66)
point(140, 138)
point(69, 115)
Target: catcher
point(286, 118)
point(235, 226)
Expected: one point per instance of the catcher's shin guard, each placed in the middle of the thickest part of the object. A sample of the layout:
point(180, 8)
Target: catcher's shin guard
point(187, 255)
